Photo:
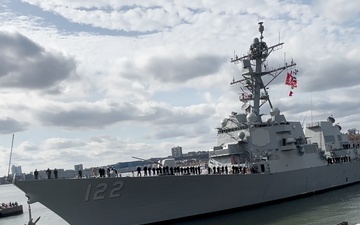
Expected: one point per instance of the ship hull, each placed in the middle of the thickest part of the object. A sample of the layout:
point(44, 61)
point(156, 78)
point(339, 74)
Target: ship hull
point(141, 200)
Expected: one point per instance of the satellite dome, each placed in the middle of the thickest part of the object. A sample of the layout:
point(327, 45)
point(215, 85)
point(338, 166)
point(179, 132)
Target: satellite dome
point(331, 119)
point(256, 40)
point(275, 112)
point(251, 117)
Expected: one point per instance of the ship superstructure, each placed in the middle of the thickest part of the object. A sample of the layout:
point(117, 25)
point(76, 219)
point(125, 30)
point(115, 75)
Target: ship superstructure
point(244, 139)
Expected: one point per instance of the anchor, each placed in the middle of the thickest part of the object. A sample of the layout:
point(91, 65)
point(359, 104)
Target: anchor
point(31, 222)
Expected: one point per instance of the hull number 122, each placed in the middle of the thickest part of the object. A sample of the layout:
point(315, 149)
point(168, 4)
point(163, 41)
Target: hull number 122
point(100, 191)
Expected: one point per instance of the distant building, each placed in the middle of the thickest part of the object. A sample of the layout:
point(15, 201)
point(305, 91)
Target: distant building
point(176, 152)
point(78, 167)
point(67, 173)
point(16, 170)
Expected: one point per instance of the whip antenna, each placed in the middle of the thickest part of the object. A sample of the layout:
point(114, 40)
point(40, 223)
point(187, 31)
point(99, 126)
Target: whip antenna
point(12, 144)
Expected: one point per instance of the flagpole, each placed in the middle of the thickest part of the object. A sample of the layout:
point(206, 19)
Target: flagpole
point(12, 144)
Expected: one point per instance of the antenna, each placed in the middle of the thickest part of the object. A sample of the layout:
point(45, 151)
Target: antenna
point(12, 144)
point(302, 124)
point(311, 107)
point(279, 36)
point(261, 30)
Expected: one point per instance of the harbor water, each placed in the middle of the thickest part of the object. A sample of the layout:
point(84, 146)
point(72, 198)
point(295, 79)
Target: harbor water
point(328, 208)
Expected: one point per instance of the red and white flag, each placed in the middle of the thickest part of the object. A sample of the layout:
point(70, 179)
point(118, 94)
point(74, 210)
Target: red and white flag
point(289, 79)
point(294, 82)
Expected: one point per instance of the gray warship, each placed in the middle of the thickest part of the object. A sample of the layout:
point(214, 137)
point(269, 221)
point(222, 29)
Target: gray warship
point(265, 161)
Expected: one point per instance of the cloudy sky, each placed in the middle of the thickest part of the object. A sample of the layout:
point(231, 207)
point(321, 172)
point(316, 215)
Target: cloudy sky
point(97, 82)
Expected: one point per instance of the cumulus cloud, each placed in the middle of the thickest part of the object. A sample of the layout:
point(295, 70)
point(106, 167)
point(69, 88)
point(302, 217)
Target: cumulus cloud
point(177, 68)
point(63, 143)
point(27, 147)
point(26, 64)
point(184, 131)
point(135, 16)
point(326, 76)
point(9, 125)
point(80, 115)
point(83, 115)
point(339, 11)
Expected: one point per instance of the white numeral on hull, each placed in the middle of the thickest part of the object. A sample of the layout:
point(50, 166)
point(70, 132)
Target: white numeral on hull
point(100, 191)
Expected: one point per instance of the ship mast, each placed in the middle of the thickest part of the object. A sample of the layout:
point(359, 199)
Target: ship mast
point(252, 80)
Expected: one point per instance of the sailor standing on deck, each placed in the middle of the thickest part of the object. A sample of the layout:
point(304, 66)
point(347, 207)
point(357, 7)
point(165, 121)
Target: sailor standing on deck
point(115, 172)
point(94, 172)
point(55, 173)
point(48, 172)
point(36, 174)
point(145, 171)
point(108, 172)
point(139, 171)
